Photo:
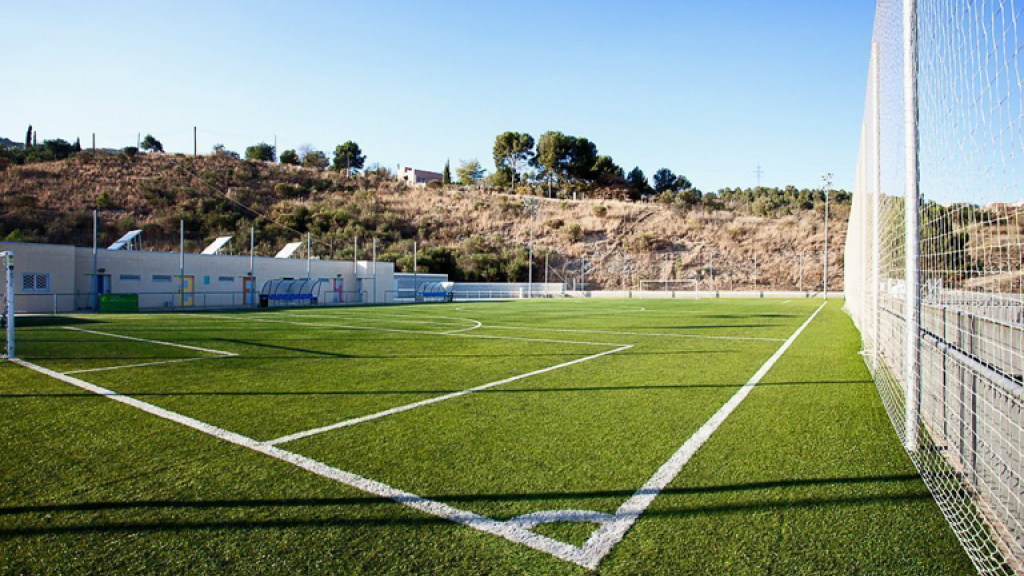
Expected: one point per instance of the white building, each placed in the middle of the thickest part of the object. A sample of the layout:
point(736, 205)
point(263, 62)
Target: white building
point(53, 278)
point(413, 177)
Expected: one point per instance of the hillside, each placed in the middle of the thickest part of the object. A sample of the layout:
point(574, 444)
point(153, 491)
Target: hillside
point(472, 234)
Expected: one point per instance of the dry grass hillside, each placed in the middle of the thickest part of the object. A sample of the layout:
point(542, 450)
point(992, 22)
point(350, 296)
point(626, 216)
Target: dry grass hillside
point(472, 234)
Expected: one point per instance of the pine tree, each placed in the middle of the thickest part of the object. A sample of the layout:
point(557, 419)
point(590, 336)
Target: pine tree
point(28, 137)
point(446, 177)
point(78, 145)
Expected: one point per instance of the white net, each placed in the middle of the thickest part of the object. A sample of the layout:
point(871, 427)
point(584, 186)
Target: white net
point(968, 355)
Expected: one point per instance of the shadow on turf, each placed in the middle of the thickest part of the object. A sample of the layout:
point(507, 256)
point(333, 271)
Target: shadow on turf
point(496, 390)
point(912, 490)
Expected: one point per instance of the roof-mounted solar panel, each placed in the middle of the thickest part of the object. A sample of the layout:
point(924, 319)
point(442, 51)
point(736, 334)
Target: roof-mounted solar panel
point(217, 245)
point(288, 250)
point(129, 241)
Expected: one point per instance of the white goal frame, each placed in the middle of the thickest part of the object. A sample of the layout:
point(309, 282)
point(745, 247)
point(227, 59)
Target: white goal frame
point(679, 285)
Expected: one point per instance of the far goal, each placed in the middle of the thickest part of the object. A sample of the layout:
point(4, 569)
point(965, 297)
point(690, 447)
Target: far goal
point(688, 287)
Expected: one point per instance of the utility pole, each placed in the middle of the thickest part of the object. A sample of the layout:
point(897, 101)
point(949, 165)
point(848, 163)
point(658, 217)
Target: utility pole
point(531, 207)
point(93, 141)
point(826, 180)
point(195, 141)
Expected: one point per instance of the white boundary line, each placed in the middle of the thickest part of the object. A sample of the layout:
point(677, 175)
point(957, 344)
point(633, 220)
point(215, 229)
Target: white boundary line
point(141, 365)
point(613, 333)
point(436, 399)
point(428, 333)
point(508, 530)
point(530, 328)
point(613, 528)
point(611, 533)
point(161, 342)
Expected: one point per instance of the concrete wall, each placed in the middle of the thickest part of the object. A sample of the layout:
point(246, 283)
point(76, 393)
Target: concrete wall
point(155, 276)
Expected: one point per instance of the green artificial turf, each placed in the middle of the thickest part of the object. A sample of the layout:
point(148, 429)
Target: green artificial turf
point(805, 477)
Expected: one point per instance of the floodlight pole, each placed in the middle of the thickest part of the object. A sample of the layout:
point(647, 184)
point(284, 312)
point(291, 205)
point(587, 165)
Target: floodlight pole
point(309, 256)
point(9, 271)
point(911, 197)
point(252, 247)
point(95, 261)
point(531, 207)
point(374, 270)
point(755, 272)
point(181, 264)
point(801, 259)
point(826, 180)
point(415, 270)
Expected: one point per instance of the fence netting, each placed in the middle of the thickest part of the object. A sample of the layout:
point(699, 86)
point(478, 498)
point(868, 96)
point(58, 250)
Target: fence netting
point(969, 351)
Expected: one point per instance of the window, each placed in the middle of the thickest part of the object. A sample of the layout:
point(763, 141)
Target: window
point(131, 278)
point(226, 279)
point(162, 278)
point(32, 282)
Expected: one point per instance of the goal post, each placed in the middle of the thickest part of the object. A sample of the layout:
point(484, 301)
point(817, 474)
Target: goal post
point(7, 315)
point(680, 285)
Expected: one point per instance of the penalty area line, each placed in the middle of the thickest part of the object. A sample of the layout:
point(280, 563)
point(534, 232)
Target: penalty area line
point(505, 529)
point(160, 342)
point(436, 399)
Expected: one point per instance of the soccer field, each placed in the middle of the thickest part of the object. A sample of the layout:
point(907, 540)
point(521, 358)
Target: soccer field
point(526, 437)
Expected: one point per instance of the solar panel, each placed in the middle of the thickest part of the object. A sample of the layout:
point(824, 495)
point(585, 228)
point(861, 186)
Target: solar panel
point(125, 242)
point(288, 250)
point(217, 245)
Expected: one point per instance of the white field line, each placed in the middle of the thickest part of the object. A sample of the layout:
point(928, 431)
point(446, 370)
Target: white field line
point(612, 529)
point(436, 399)
point(615, 333)
point(142, 364)
point(382, 318)
point(609, 534)
point(530, 328)
point(508, 530)
point(162, 343)
point(478, 325)
point(425, 333)
point(219, 353)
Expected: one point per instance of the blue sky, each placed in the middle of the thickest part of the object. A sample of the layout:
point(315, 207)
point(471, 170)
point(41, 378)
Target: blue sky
point(709, 89)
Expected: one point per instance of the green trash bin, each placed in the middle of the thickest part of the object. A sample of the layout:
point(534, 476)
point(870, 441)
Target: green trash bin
point(119, 302)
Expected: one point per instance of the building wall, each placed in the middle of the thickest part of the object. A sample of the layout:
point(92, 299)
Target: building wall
point(414, 177)
point(156, 276)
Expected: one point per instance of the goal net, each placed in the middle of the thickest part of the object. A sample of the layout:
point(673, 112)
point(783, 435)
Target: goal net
point(934, 262)
point(690, 285)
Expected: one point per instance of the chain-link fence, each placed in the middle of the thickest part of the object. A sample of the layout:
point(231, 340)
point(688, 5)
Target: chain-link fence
point(934, 264)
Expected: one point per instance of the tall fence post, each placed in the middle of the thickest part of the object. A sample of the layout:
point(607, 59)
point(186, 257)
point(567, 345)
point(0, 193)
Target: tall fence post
point(912, 312)
point(876, 204)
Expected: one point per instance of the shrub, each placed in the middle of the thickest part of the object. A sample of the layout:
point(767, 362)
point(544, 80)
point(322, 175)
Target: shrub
point(574, 232)
point(130, 151)
point(600, 210)
point(555, 223)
